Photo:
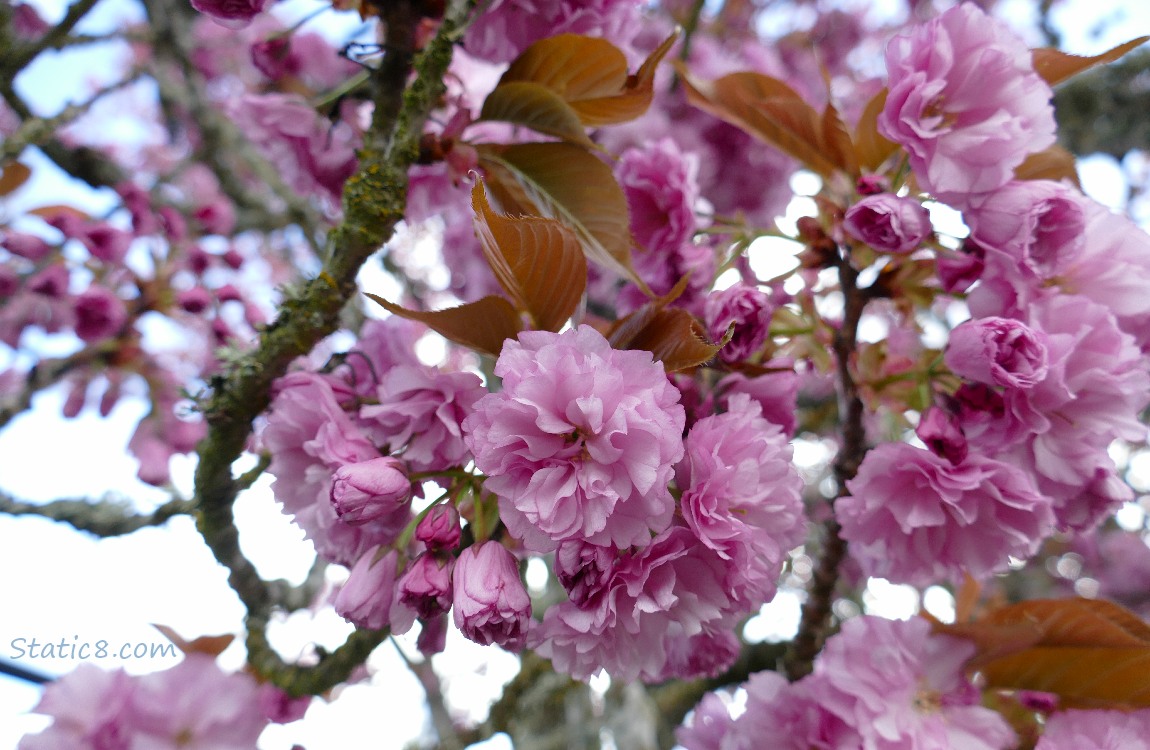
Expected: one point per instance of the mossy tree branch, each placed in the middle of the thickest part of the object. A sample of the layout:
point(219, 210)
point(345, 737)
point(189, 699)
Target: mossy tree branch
point(374, 202)
point(110, 516)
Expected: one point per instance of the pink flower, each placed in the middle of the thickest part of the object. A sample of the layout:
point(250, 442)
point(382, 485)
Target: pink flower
point(106, 243)
point(369, 597)
point(898, 686)
point(87, 708)
point(998, 351)
point(234, 14)
point(888, 223)
point(965, 102)
point(1095, 730)
point(507, 27)
point(742, 497)
point(491, 604)
point(310, 437)
point(419, 415)
point(370, 490)
point(660, 183)
point(915, 518)
point(313, 155)
point(632, 606)
point(100, 313)
point(940, 433)
point(749, 309)
point(776, 392)
point(709, 724)
point(196, 705)
point(26, 246)
point(439, 529)
point(580, 442)
point(426, 585)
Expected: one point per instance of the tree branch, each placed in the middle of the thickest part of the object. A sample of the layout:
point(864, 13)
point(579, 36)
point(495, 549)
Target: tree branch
point(374, 202)
point(820, 595)
point(110, 516)
point(22, 54)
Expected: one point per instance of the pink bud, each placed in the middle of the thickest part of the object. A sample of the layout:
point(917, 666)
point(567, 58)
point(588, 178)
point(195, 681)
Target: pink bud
point(99, 313)
point(26, 246)
point(888, 223)
point(433, 636)
point(370, 490)
point(52, 282)
point(234, 14)
point(998, 351)
point(216, 217)
point(194, 300)
point(439, 529)
point(366, 598)
point(426, 585)
point(106, 242)
point(491, 604)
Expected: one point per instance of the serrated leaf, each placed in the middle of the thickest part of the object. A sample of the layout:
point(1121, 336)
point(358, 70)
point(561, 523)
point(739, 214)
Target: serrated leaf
point(871, 147)
point(1056, 66)
point(768, 109)
point(212, 645)
point(1054, 163)
point(482, 325)
point(837, 138)
point(1090, 652)
point(12, 176)
point(623, 331)
point(565, 182)
point(590, 74)
point(537, 107)
point(538, 261)
point(675, 338)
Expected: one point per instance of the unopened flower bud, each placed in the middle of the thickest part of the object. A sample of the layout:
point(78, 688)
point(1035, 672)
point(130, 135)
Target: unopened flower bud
point(370, 490)
point(491, 604)
point(439, 529)
point(426, 585)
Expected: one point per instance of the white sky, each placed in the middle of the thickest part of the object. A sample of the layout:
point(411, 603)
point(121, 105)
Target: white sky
point(58, 583)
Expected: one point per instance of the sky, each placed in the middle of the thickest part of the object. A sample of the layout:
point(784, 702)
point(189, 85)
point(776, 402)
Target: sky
point(60, 584)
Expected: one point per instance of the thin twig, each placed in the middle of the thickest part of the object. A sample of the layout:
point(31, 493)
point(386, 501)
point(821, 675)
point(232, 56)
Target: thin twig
point(111, 516)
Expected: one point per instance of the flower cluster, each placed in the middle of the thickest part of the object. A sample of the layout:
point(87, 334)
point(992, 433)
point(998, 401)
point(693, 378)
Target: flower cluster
point(193, 704)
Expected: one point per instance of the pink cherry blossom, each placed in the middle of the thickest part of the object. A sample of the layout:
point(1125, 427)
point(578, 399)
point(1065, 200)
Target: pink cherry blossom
point(898, 686)
point(1095, 730)
point(915, 518)
point(998, 351)
point(419, 415)
point(87, 708)
point(888, 223)
point(234, 14)
point(370, 490)
point(580, 442)
point(426, 585)
point(490, 603)
point(100, 313)
point(634, 607)
point(507, 27)
point(741, 496)
point(196, 705)
point(749, 309)
point(369, 598)
point(965, 102)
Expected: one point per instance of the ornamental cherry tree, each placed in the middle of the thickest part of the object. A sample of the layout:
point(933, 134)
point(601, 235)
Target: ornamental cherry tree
point(667, 381)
